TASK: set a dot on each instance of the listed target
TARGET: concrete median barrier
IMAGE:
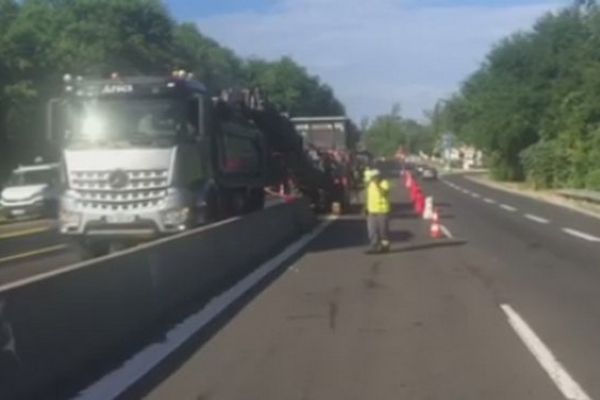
(55, 326)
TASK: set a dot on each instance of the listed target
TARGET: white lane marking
(452, 185)
(559, 375)
(537, 219)
(465, 191)
(508, 208)
(475, 195)
(446, 231)
(581, 235)
(24, 232)
(118, 381)
(33, 253)
(489, 201)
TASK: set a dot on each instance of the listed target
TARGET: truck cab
(149, 156)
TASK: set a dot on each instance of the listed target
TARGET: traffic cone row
(423, 206)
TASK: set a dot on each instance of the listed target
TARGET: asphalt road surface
(507, 309)
(32, 247)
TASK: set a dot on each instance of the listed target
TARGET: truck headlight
(177, 216)
(69, 218)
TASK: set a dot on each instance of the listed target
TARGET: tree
(533, 103)
(41, 40)
(291, 88)
(390, 132)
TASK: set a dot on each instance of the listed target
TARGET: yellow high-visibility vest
(378, 201)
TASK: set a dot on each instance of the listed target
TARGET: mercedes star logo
(118, 179)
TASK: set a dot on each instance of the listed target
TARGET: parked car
(31, 191)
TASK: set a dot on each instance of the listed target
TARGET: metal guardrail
(585, 195)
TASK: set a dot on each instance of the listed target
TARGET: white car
(31, 191)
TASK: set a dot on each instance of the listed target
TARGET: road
(508, 309)
(31, 248)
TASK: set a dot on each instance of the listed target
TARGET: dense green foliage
(390, 132)
(534, 105)
(40, 40)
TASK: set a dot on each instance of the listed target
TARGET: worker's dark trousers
(377, 225)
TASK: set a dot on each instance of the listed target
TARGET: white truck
(143, 157)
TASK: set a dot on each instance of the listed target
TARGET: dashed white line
(581, 235)
(535, 218)
(559, 375)
(475, 195)
(508, 208)
(489, 201)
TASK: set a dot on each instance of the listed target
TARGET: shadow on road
(401, 236)
(351, 232)
(426, 245)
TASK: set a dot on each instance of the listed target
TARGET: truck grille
(143, 189)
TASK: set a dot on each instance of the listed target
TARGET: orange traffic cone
(435, 231)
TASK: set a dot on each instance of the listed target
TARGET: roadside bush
(592, 180)
(539, 161)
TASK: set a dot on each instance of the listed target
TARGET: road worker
(377, 208)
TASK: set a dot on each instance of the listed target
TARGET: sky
(374, 53)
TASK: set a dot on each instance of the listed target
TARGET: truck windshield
(131, 120)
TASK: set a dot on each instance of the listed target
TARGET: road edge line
(118, 381)
(544, 356)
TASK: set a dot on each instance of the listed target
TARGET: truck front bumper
(141, 225)
(22, 209)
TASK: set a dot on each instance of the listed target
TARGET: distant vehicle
(429, 173)
(334, 137)
(31, 191)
